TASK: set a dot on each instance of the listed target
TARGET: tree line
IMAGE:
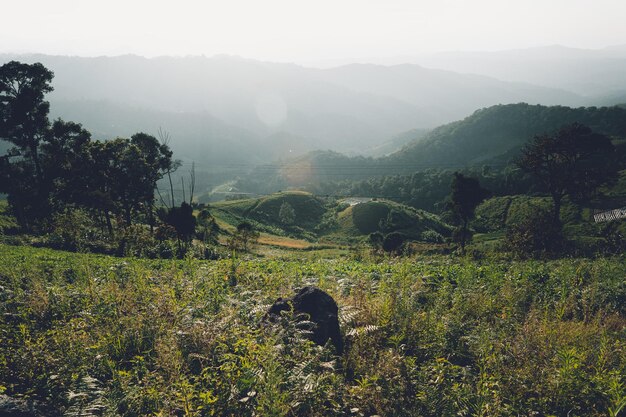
(54, 165)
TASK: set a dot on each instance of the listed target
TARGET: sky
(311, 31)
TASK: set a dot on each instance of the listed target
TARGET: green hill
(386, 216)
(490, 136)
(265, 212)
(496, 134)
(316, 217)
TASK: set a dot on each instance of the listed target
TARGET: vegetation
(466, 195)
(496, 134)
(56, 166)
(418, 174)
(244, 237)
(574, 162)
(440, 337)
(174, 323)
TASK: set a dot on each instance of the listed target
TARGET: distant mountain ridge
(348, 109)
(594, 73)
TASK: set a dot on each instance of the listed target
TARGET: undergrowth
(96, 335)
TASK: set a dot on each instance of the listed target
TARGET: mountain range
(228, 114)
(249, 110)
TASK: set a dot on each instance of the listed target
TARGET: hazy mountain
(268, 108)
(495, 134)
(445, 95)
(491, 136)
(396, 143)
(260, 97)
(195, 135)
(590, 72)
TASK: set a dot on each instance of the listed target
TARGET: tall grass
(96, 335)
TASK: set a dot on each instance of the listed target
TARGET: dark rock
(320, 308)
(13, 407)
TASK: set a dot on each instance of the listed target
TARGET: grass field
(429, 336)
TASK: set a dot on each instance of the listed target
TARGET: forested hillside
(494, 135)
(490, 137)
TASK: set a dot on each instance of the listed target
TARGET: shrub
(73, 230)
(535, 235)
(393, 242)
(432, 236)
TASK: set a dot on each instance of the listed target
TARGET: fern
(362, 330)
(86, 399)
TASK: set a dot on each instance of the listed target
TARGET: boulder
(319, 308)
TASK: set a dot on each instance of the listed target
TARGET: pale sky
(304, 31)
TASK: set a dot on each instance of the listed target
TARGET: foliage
(286, 214)
(393, 242)
(535, 235)
(244, 237)
(56, 166)
(466, 195)
(376, 241)
(182, 220)
(74, 230)
(208, 230)
(496, 134)
(432, 236)
(433, 337)
(574, 162)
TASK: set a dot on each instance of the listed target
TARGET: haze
(322, 32)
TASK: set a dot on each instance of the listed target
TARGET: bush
(535, 235)
(136, 241)
(613, 241)
(74, 230)
(393, 242)
(432, 236)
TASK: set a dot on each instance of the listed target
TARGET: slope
(495, 134)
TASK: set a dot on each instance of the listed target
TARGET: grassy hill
(500, 212)
(308, 208)
(386, 216)
(264, 213)
(316, 217)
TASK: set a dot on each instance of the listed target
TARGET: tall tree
(575, 161)
(24, 123)
(67, 164)
(128, 171)
(467, 194)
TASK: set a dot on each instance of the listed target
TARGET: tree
(209, 229)
(24, 113)
(67, 165)
(466, 195)
(155, 159)
(126, 172)
(575, 161)
(244, 236)
(286, 214)
(393, 242)
(183, 221)
(24, 124)
(535, 234)
(55, 166)
(376, 240)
